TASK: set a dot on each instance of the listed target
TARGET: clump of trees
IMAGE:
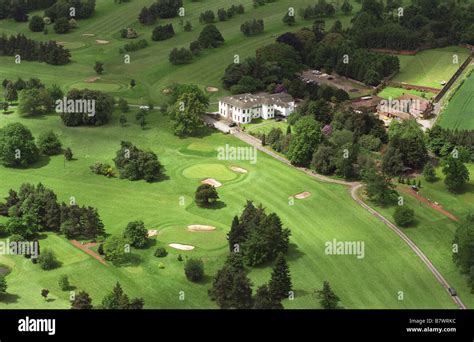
(49, 144)
(104, 106)
(128, 33)
(119, 300)
(45, 52)
(134, 164)
(406, 148)
(179, 56)
(232, 289)
(104, 169)
(194, 269)
(160, 9)
(210, 37)
(207, 17)
(162, 32)
(456, 174)
(252, 27)
(136, 234)
(83, 10)
(35, 209)
(17, 146)
(187, 103)
(259, 236)
(206, 195)
(403, 215)
(134, 46)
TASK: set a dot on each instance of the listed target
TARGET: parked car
(232, 124)
(452, 292)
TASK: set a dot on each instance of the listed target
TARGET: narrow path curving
(354, 188)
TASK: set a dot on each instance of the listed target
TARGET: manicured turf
(389, 265)
(459, 112)
(260, 126)
(433, 232)
(150, 66)
(430, 67)
(392, 92)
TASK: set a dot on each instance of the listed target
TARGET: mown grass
(389, 265)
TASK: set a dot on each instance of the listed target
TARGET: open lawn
(393, 93)
(150, 67)
(433, 232)
(459, 113)
(389, 265)
(260, 126)
(430, 67)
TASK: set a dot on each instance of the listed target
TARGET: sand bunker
(88, 35)
(100, 41)
(152, 232)
(303, 195)
(181, 247)
(166, 91)
(200, 228)
(212, 89)
(212, 181)
(238, 169)
(92, 79)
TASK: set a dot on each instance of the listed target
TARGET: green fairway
(389, 265)
(459, 112)
(392, 92)
(150, 66)
(433, 232)
(431, 67)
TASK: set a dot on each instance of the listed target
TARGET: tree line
(32, 210)
(27, 49)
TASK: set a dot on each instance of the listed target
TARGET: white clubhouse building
(245, 107)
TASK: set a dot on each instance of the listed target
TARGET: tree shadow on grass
(9, 298)
(150, 243)
(129, 260)
(216, 205)
(42, 162)
(294, 253)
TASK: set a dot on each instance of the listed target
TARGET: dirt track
(422, 199)
(85, 248)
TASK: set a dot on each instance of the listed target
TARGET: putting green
(208, 240)
(102, 86)
(217, 171)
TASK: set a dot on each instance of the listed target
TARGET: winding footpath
(354, 188)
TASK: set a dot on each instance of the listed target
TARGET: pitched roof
(250, 100)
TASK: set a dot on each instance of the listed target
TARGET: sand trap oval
(88, 35)
(238, 169)
(72, 45)
(303, 195)
(211, 181)
(200, 228)
(91, 79)
(212, 89)
(181, 247)
(166, 91)
(101, 41)
(152, 232)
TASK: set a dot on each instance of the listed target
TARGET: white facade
(245, 107)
